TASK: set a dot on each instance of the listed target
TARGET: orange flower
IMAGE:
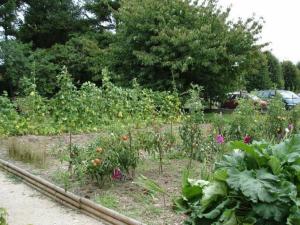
(99, 149)
(125, 137)
(98, 161)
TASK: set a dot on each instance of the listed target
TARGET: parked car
(231, 101)
(289, 98)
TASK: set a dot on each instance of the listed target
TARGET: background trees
(291, 76)
(165, 44)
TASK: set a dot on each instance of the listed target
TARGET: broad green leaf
(275, 165)
(221, 175)
(228, 218)
(252, 151)
(271, 211)
(294, 217)
(289, 150)
(235, 160)
(212, 192)
(213, 214)
(256, 186)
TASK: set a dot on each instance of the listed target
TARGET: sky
(282, 23)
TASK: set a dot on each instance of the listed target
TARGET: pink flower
(220, 139)
(117, 174)
(247, 139)
(291, 127)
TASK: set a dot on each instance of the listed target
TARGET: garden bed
(125, 197)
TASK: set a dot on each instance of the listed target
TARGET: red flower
(247, 139)
(117, 174)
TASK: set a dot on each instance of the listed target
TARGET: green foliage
(3, 216)
(191, 130)
(8, 17)
(277, 119)
(259, 78)
(16, 63)
(291, 76)
(253, 184)
(45, 28)
(99, 160)
(246, 120)
(179, 42)
(275, 70)
(8, 116)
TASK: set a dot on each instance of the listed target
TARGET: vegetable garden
(239, 168)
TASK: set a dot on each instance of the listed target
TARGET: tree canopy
(163, 44)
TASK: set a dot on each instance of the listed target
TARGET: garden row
(84, 109)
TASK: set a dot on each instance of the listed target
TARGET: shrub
(3, 217)
(246, 120)
(102, 157)
(8, 116)
(254, 184)
(277, 119)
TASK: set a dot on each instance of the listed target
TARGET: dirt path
(26, 206)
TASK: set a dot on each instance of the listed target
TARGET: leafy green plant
(3, 216)
(277, 119)
(9, 117)
(191, 130)
(254, 184)
(102, 157)
(246, 120)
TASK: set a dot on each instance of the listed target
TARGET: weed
(27, 152)
(108, 200)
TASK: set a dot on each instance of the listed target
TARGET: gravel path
(26, 206)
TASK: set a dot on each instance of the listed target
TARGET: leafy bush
(3, 217)
(191, 130)
(99, 159)
(246, 120)
(254, 184)
(8, 116)
(277, 119)
(85, 109)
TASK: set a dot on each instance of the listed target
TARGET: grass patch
(108, 200)
(27, 152)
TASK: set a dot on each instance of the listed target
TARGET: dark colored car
(231, 101)
(289, 98)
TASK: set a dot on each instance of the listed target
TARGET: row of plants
(249, 123)
(85, 109)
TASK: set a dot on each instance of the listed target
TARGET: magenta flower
(247, 139)
(117, 174)
(291, 127)
(220, 139)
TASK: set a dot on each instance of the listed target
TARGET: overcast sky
(282, 23)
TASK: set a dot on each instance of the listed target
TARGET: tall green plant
(191, 130)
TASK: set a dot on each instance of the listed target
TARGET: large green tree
(259, 79)
(48, 22)
(8, 17)
(80, 55)
(163, 42)
(290, 74)
(99, 13)
(15, 63)
(275, 70)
